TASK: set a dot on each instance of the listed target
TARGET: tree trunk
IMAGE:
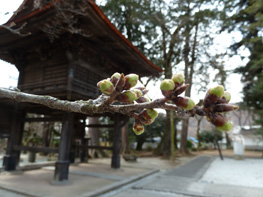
(140, 143)
(198, 131)
(94, 134)
(228, 141)
(164, 146)
(125, 146)
(46, 135)
(176, 120)
(183, 147)
(172, 136)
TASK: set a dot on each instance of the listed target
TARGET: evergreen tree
(248, 19)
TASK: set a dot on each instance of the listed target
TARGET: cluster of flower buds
(120, 86)
(215, 102)
(172, 88)
(146, 117)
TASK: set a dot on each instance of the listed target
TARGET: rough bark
(94, 134)
(90, 107)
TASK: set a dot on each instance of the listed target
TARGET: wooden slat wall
(47, 76)
(85, 81)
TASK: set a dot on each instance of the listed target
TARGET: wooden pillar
(84, 155)
(85, 142)
(62, 165)
(115, 160)
(72, 153)
(12, 157)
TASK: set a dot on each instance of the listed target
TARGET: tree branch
(89, 107)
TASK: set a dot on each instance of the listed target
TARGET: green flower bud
(115, 77)
(213, 96)
(147, 116)
(152, 113)
(218, 91)
(167, 86)
(178, 79)
(184, 102)
(127, 96)
(226, 127)
(137, 92)
(138, 128)
(130, 81)
(220, 122)
(226, 96)
(105, 86)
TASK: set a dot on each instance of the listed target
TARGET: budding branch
(89, 107)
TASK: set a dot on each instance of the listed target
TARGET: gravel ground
(247, 172)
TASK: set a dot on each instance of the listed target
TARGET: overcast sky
(9, 73)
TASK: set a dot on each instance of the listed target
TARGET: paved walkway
(184, 181)
(89, 179)
(148, 177)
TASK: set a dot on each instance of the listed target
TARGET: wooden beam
(100, 126)
(94, 147)
(45, 119)
(35, 149)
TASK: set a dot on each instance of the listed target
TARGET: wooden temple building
(63, 48)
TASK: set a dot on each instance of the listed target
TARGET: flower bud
(224, 108)
(152, 113)
(127, 96)
(213, 95)
(179, 90)
(143, 89)
(137, 92)
(115, 77)
(105, 86)
(148, 114)
(142, 99)
(218, 91)
(138, 127)
(147, 122)
(120, 83)
(178, 79)
(220, 122)
(226, 127)
(130, 81)
(184, 102)
(167, 86)
(225, 98)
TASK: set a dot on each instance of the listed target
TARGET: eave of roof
(97, 10)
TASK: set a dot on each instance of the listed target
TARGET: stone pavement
(184, 181)
(89, 179)
(151, 177)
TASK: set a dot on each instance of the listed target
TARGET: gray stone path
(5, 193)
(193, 169)
(183, 181)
